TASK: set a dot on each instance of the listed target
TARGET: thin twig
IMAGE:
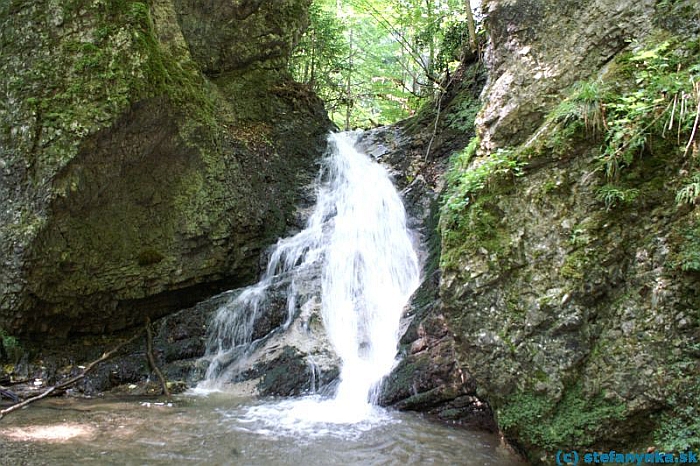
(673, 113)
(71, 381)
(697, 119)
(152, 360)
(435, 126)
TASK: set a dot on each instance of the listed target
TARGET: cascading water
(356, 257)
(357, 241)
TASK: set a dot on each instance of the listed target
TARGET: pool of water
(219, 429)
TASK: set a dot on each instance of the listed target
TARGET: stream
(354, 267)
(218, 429)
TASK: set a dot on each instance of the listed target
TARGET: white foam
(369, 269)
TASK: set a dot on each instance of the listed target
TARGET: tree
(319, 60)
(375, 61)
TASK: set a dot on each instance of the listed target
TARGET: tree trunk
(471, 26)
(348, 88)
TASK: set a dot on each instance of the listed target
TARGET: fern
(612, 196)
(690, 193)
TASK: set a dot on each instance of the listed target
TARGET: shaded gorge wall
(568, 277)
(561, 304)
(149, 151)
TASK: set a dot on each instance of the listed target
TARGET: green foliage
(469, 216)
(575, 421)
(688, 255)
(10, 349)
(460, 160)
(646, 107)
(320, 58)
(656, 106)
(651, 95)
(462, 113)
(579, 237)
(375, 61)
(454, 39)
(612, 195)
(583, 106)
(679, 429)
(466, 180)
(690, 193)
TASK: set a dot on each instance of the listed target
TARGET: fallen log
(8, 394)
(67, 383)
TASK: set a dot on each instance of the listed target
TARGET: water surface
(221, 430)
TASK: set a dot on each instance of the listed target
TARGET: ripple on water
(221, 430)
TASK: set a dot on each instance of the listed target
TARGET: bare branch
(67, 383)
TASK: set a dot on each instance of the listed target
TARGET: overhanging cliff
(149, 151)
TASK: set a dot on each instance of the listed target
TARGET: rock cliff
(570, 228)
(566, 294)
(148, 152)
(558, 205)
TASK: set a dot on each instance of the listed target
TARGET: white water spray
(358, 239)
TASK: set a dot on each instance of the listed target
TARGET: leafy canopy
(375, 61)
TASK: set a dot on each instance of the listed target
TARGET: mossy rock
(134, 183)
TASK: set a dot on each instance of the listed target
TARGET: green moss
(470, 217)
(577, 420)
(149, 257)
(478, 227)
(679, 427)
(576, 264)
(467, 178)
(686, 249)
(89, 80)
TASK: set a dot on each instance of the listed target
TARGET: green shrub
(10, 349)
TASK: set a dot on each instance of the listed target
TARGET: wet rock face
(289, 353)
(279, 361)
(431, 377)
(131, 184)
(538, 48)
(575, 316)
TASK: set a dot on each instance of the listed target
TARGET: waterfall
(357, 249)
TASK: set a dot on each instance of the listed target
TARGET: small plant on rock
(690, 193)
